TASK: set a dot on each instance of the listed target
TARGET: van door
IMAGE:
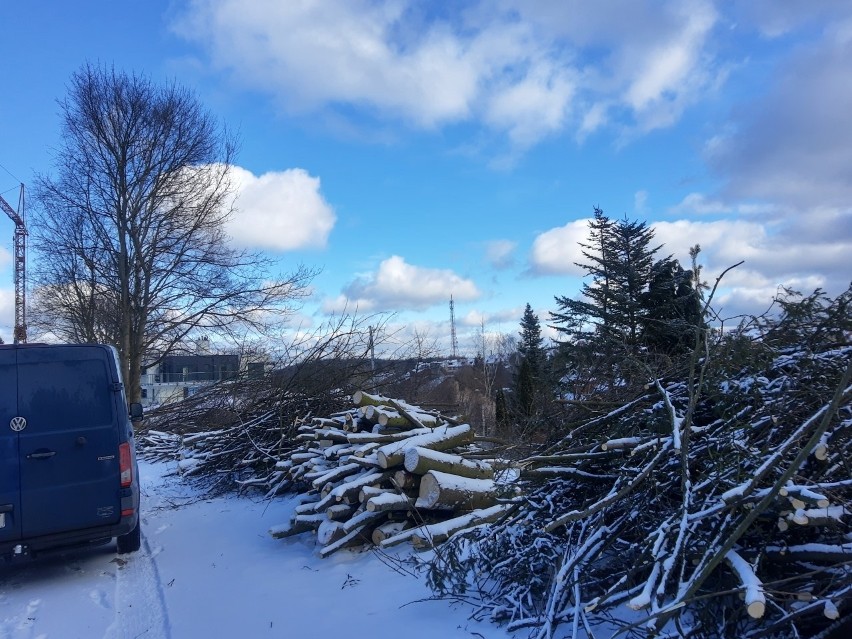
(69, 465)
(10, 479)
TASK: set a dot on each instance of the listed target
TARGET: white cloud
(793, 145)
(774, 19)
(555, 252)
(7, 313)
(664, 68)
(501, 253)
(518, 67)
(397, 285)
(777, 254)
(280, 211)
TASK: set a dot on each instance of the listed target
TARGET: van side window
(61, 395)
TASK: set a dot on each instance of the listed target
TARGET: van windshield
(65, 394)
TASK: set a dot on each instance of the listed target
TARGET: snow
(209, 568)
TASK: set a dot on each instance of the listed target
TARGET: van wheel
(131, 541)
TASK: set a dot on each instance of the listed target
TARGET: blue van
(68, 474)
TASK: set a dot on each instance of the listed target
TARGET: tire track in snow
(140, 604)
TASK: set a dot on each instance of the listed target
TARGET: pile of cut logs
(386, 472)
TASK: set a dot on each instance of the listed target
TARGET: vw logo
(18, 424)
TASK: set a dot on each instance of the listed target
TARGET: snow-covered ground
(208, 568)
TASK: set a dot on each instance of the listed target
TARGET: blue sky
(417, 150)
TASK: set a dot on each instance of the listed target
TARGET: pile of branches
(715, 506)
(232, 434)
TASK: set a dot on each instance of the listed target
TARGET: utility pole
(455, 342)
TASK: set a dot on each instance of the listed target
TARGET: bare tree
(130, 231)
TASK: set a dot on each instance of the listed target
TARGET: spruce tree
(620, 259)
(530, 376)
(634, 315)
(672, 314)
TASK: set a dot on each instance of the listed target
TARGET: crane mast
(20, 266)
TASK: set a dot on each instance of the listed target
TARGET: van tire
(131, 542)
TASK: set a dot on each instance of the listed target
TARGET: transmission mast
(20, 334)
(454, 340)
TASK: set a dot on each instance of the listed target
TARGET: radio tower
(455, 342)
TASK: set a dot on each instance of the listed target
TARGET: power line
(10, 173)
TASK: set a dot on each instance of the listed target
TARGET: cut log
(429, 536)
(333, 436)
(308, 508)
(372, 491)
(323, 422)
(360, 398)
(755, 600)
(443, 490)
(303, 456)
(369, 462)
(335, 474)
(417, 417)
(404, 480)
(363, 518)
(329, 532)
(298, 525)
(819, 516)
(805, 496)
(623, 443)
(357, 537)
(830, 553)
(339, 512)
(348, 492)
(419, 460)
(389, 529)
(389, 501)
(385, 438)
(442, 438)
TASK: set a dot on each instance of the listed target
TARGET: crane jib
(20, 266)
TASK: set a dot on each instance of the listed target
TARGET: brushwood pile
(714, 509)
(711, 503)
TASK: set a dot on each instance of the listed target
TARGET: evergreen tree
(672, 309)
(620, 259)
(501, 411)
(530, 377)
(635, 313)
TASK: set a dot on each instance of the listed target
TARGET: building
(176, 377)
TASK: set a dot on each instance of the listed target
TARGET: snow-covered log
(815, 552)
(299, 525)
(389, 501)
(431, 535)
(419, 460)
(755, 600)
(442, 438)
(387, 530)
(444, 490)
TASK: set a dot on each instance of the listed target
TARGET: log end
(756, 609)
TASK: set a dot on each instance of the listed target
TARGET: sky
(414, 151)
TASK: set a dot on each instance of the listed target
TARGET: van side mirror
(136, 412)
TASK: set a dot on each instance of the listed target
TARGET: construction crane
(20, 334)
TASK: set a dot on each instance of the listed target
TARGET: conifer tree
(620, 258)
(530, 377)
